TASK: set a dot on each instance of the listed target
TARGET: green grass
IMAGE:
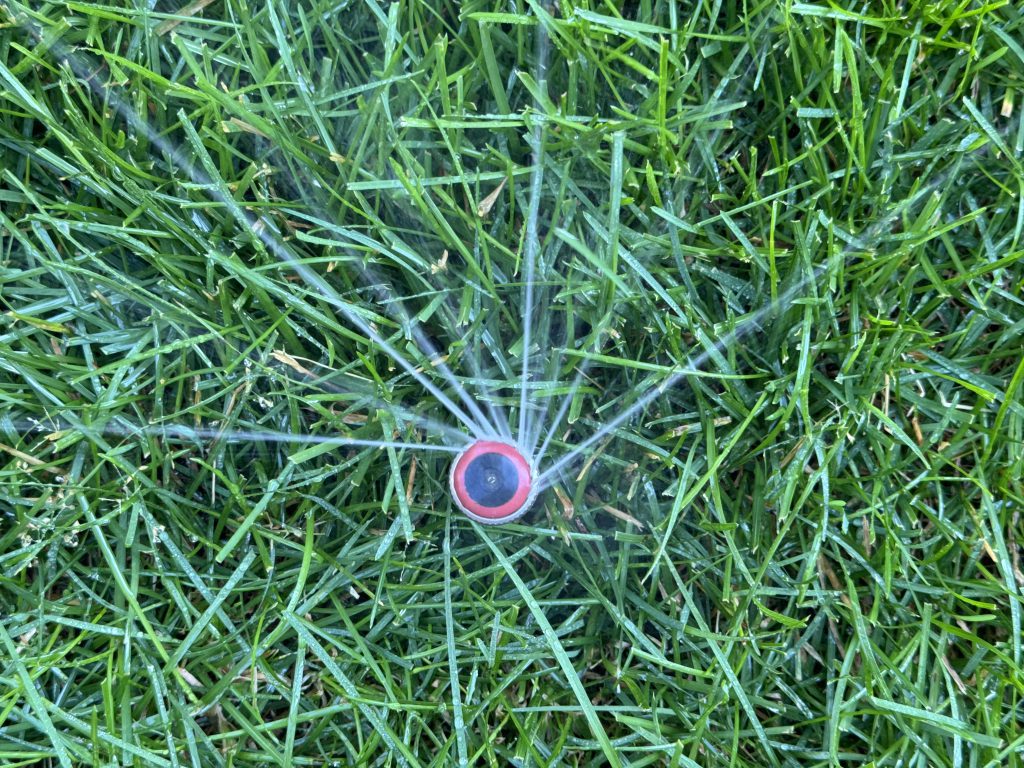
(807, 555)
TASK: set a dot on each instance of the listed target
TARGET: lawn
(749, 275)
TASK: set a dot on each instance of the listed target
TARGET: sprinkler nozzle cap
(492, 482)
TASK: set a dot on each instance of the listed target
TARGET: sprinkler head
(492, 482)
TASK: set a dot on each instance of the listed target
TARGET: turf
(807, 553)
